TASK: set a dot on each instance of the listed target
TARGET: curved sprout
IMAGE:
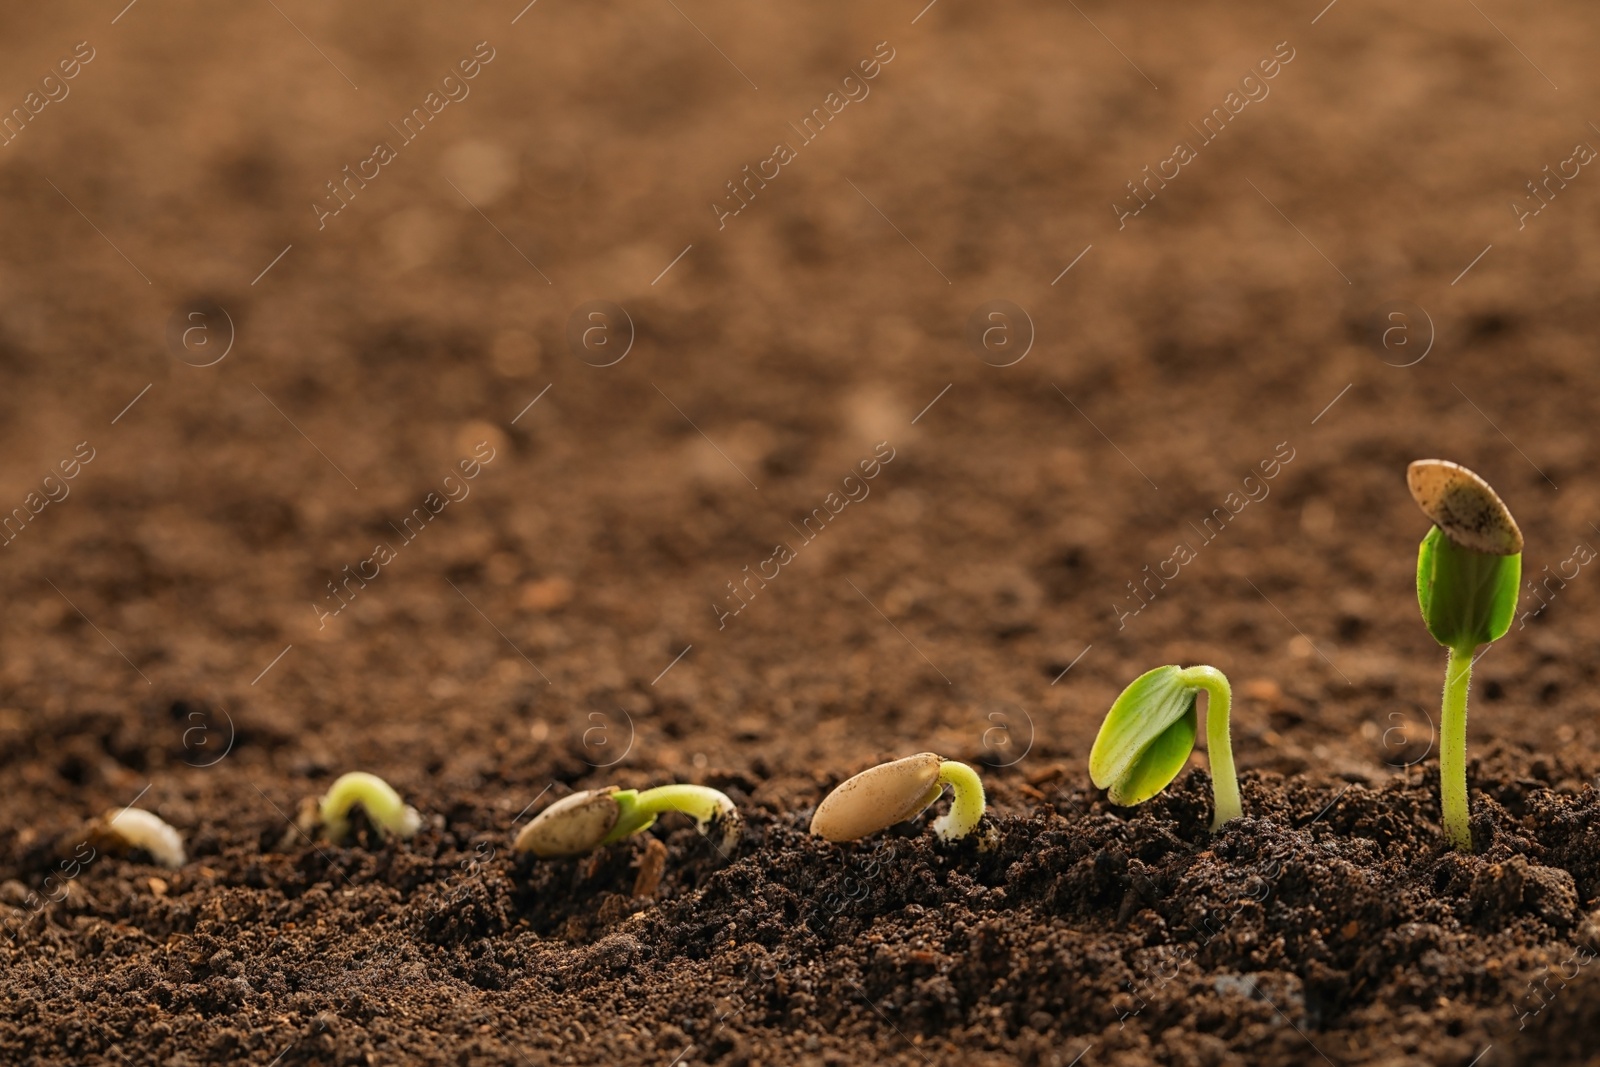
(967, 801)
(383, 806)
(125, 829)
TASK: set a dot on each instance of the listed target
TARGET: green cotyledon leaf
(1146, 738)
(1468, 598)
(1159, 765)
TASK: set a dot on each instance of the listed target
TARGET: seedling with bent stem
(387, 813)
(1469, 569)
(594, 818)
(1150, 730)
(893, 792)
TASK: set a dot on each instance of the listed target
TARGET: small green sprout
(387, 813)
(1150, 731)
(1469, 570)
(125, 829)
(593, 818)
(891, 793)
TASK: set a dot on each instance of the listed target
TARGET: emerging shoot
(125, 829)
(387, 813)
(594, 818)
(891, 793)
(1150, 731)
(1469, 568)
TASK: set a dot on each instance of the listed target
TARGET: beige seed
(1464, 506)
(878, 798)
(572, 825)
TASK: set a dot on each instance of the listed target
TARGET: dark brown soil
(567, 618)
(1327, 916)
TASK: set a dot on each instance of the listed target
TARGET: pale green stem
(384, 808)
(966, 801)
(1453, 750)
(1219, 746)
(699, 802)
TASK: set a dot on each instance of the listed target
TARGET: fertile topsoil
(779, 513)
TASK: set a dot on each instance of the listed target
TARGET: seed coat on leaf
(1464, 506)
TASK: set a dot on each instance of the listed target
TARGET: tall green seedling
(1469, 568)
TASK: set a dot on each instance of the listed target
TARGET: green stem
(699, 802)
(966, 801)
(384, 808)
(1219, 746)
(1453, 749)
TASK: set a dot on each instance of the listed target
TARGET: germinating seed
(893, 792)
(878, 798)
(125, 829)
(585, 821)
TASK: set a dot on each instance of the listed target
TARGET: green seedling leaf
(1161, 762)
(1468, 598)
(1146, 737)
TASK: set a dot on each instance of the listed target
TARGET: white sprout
(130, 828)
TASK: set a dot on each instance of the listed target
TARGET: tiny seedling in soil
(385, 811)
(891, 793)
(1150, 731)
(593, 818)
(123, 830)
(1469, 569)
